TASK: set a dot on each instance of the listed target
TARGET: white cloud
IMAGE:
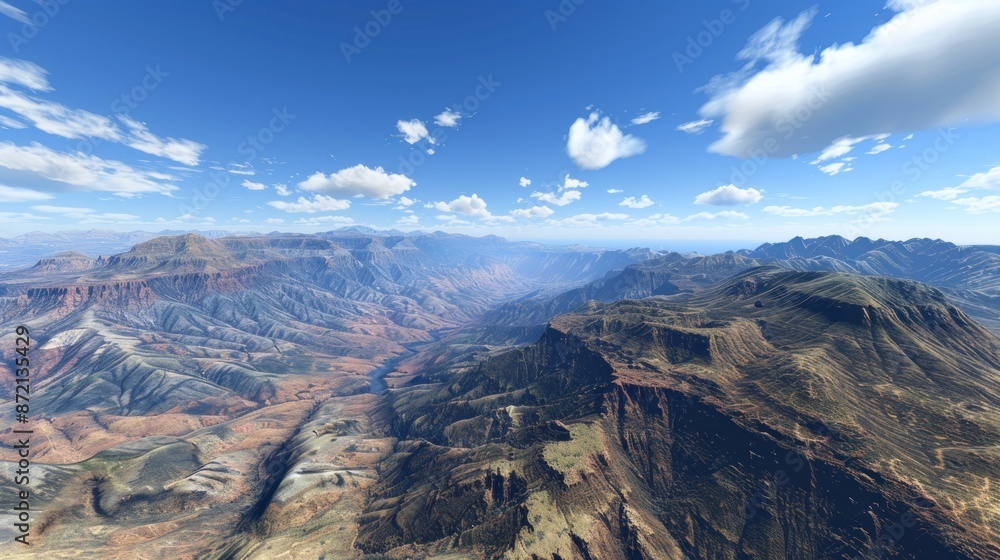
(187, 220)
(989, 180)
(468, 205)
(10, 123)
(281, 189)
(319, 203)
(588, 220)
(923, 69)
(245, 168)
(568, 188)
(839, 148)
(274, 221)
(646, 117)
(13, 13)
(878, 149)
(632, 202)
(447, 118)
(524, 182)
(89, 173)
(23, 73)
(656, 220)
(410, 220)
(180, 150)
(729, 195)
(253, 186)
(405, 202)
(60, 120)
(725, 214)
(594, 143)
(414, 131)
(16, 194)
(615, 191)
(567, 197)
(874, 210)
(359, 181)
(533, 212)
(835, 169)
(62, 209)
(979, 205)
(325, 220)
(571, 183)
(695, 127)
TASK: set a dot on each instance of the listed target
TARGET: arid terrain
(358, 394)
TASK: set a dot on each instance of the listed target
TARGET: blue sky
(731, 121)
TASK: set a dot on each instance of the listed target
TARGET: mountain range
(362, 394)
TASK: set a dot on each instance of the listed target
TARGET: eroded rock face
(709, 428)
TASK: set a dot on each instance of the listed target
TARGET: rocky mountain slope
(210, 398)
(777, 415)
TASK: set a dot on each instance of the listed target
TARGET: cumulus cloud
(567, 193)
(410, 220)
(594, 143)
(695, 127)
(729, 195)
(253, 186)
(874, 210)
(468, 205)
(922, 69)
(533, 212)
(83, 172)
(404, 203)
(633, 202)
(447, 118)
(562, 199)
(646, 117)
(414, 131)
(725, 215)
(524, 182)
(319, 203)
(359, 181)
(281, 189)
